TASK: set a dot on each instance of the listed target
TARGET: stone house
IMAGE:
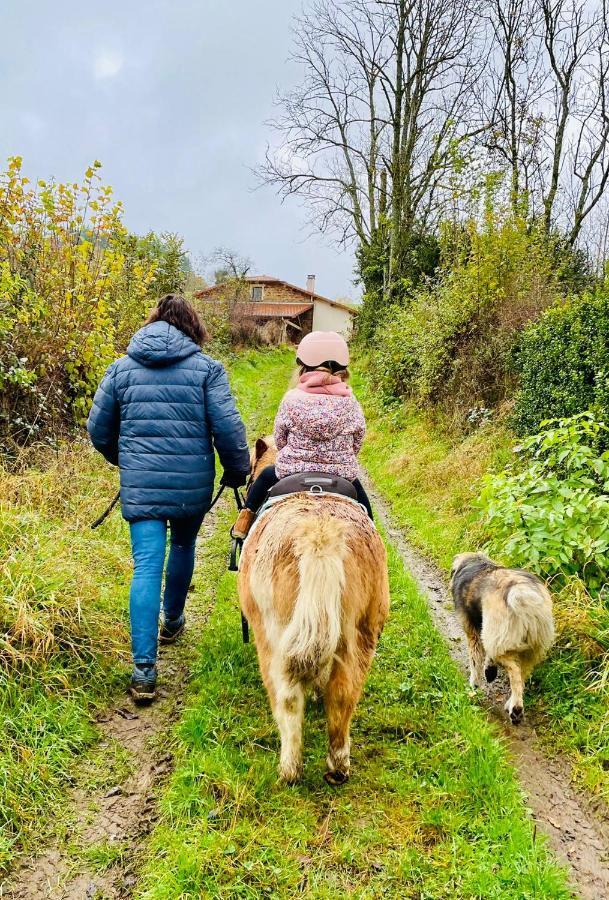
(261, 299)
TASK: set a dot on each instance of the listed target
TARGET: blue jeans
(148, 545)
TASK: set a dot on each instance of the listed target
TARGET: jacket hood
(160, 344)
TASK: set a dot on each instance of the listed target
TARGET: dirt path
(577, 829)
(99, 855)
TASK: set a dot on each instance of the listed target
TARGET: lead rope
(236, 544)
(233, 564)
(106, 513)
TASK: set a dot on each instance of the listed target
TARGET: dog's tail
(531, 621)
(312, 636)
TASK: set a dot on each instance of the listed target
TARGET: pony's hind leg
(340, 699)
(288, 702)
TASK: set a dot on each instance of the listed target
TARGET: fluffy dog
(507, 617)
(313, 585)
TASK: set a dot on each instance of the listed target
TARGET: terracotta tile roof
(272, 310)
(263, 279)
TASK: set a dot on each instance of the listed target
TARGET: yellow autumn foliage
(74, 284)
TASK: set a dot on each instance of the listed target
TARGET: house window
(257, 293)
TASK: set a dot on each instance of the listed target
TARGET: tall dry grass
(63, 626)
(57, 577)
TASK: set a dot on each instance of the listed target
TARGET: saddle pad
(313, 483)
(269, 505)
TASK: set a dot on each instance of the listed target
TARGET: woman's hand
(233, 478)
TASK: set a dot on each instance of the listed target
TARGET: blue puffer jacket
(155, 414)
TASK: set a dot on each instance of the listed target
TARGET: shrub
(419, 257)
(453, 342)
(550, 510)
(74, 285)
(563, 362)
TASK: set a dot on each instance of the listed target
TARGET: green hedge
(563, 362)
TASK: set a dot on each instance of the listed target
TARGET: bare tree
(396, 93)
(383, 99)
(330, 132)
(514, 85)
(429, 88)
(228, 264)
(546, 95)
(585, 150)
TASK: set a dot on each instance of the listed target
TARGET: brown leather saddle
(313, 483)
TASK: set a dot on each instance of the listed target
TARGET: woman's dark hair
(177, 311)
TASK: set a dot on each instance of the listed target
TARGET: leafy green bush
(563, 362)
(550, 510)
(453, 341)
(420, 258)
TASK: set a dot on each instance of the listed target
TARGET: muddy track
(577, 828)
(122, 816)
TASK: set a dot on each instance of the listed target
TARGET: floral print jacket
(319, 433)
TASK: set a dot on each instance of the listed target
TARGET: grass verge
(63, 631)
(432, 810)
(431, 482)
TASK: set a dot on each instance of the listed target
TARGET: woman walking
(157, 414)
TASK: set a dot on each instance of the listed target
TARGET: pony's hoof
(290, 775)
(490, 673)
(336, 778)
(517, 715)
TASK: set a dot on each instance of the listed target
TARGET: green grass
(432, 810)
(259, 379)
(101, 857)
(63, 632)
(431, 480)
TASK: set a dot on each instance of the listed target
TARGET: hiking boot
(171, 630)
(142, 686)
(245, 520)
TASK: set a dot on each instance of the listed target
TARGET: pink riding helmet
(323, 346)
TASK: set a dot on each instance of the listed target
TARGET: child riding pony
(319, 427)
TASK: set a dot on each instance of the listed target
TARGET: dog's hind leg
(476, 655)
(515, 702)
(490, 669)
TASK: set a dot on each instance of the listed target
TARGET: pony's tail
(312, 636)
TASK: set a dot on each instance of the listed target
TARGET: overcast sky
(172, 96)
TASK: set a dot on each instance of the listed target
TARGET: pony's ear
(260, 448)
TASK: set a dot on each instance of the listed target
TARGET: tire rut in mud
(124, 815)
(576, 826)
